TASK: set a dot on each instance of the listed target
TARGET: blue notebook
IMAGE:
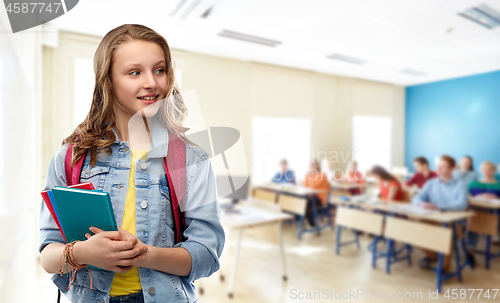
(79, 209)
(51, 197)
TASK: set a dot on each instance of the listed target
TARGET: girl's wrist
(149, 256)
(79, 252)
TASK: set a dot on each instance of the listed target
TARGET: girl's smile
(149, 99)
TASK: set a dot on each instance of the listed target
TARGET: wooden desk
(485, 203)
(302, 192)
(487, 222)
(250, 213)
(446, 218)
(289, 189)
(388, 207)
(345, 186)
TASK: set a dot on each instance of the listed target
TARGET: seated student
(390, 187)
(443, 193)
(423, 173)
(488, 188)
(285, 175)
(353, 176)
(317, 180)
(497, 174)
(465, 170)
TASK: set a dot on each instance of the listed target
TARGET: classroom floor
(314, 267)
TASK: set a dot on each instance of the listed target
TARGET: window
(278, 138)
(372, 141)
(83, 89)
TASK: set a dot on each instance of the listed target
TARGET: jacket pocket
(96, 175)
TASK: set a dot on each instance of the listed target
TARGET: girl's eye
(133, 72)
(161, 70)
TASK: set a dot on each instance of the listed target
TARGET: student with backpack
(132, 144)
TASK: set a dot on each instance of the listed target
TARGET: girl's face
(139, 78)
(465, 163)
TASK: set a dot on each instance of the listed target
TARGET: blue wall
(456, 117)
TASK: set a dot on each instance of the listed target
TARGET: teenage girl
(123, 140)
(390, 187)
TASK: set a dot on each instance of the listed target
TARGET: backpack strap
(72, 178)
(72, 172)
(176, 178)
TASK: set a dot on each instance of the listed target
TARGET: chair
(294, 205)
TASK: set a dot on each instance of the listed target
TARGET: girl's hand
(109, 250)
(486, 196)
(127, 236)
(143, 247)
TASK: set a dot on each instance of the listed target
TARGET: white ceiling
(423, 35)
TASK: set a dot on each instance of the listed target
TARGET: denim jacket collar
(159, 147)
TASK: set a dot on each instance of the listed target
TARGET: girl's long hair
(471, 168)
(383, 173)
(95, 132)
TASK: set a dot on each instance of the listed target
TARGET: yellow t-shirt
(129, 282)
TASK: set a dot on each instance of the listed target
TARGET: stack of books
(77, 207)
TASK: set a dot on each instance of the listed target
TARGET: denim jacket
(204, 236)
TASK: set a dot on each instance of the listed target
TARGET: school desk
(405, 230)
(289, 189)
(296, 191)
(345, 186)
(486, 222)
(253, 213)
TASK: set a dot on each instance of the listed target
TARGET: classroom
(349, 148)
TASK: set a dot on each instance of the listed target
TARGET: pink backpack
(176, 157)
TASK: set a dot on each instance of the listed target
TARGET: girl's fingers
(112, 235)
(126, 245)
(87, 235)
(95, 230)
(131, 253)
(130, 261)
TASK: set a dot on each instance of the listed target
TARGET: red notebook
(46, 199)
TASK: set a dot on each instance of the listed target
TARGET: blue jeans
(131, 298)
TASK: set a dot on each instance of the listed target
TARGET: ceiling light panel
(248, 38)
(347, 59)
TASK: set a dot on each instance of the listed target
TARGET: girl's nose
(149, 81)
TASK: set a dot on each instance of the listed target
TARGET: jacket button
(144, 165)
(151, 290)
(87, 170)
(144, 204)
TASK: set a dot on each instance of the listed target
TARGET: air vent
(412, 72)
(348, 59)
(483, 15)
(249, 38)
